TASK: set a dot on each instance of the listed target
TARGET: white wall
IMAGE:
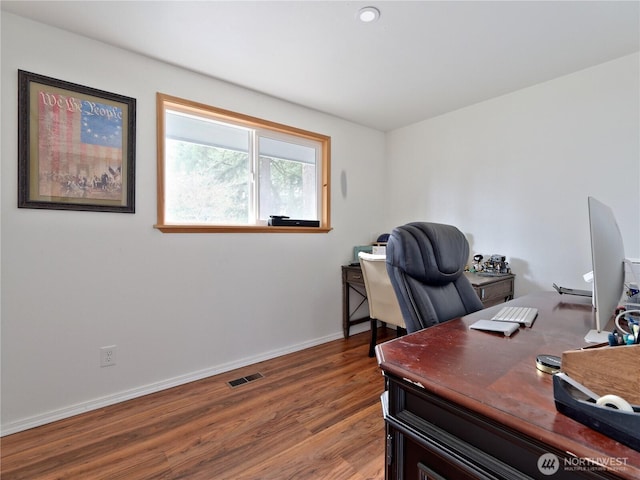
(514, 172)
(178, 306)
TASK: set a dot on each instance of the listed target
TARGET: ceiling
(419, 60)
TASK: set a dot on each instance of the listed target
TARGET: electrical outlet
(108, 356)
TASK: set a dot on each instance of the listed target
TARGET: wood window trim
(238, 229)
(164, 101)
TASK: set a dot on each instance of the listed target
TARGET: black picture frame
(76, 146)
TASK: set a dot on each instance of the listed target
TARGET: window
(220, 171)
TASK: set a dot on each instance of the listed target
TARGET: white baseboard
(83, 407)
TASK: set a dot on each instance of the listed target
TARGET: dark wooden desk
(352, 281)
(470, 404)
(492, 290)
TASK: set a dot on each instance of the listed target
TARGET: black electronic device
(284, 221)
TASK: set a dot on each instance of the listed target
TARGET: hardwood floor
(315, 415)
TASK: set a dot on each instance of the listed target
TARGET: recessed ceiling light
(368, 14)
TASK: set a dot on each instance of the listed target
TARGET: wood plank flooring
(315, 415)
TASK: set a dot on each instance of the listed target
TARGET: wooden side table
(492, 290)
(352, 280)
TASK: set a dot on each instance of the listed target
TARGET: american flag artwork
(80, 147)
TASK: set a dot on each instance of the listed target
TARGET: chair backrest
(383, 303)
(425, 262)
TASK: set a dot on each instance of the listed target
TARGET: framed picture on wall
(76, 146)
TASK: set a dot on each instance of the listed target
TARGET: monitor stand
(594, 336)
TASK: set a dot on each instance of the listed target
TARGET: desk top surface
(496, 376)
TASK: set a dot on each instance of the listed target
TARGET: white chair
(383, 303)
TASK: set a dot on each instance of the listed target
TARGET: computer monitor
(607, 256)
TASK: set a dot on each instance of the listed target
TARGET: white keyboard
(523, 315)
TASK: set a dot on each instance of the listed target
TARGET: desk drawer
(496, 291)
(459, 443)
(355, 276)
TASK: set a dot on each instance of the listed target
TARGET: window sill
(238, 229)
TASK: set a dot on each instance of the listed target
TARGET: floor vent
(241, 381)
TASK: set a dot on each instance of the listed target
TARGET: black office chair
(426, 262)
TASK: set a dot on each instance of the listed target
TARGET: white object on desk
(522, 315)
(507, 328)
